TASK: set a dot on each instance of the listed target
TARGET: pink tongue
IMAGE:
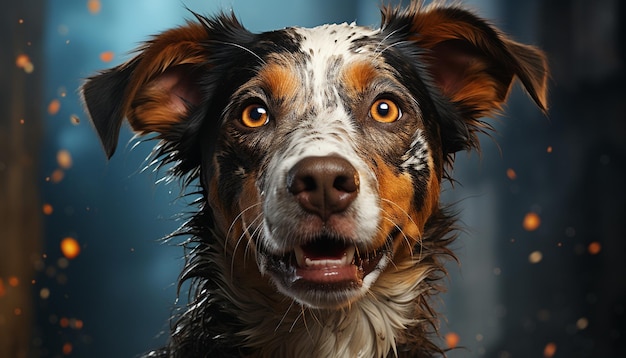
(329, 274)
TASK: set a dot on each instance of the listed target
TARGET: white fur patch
(416, 158)
(330, 131)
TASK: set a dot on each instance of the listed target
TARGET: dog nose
(323, 185)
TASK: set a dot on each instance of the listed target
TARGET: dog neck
(254, 315)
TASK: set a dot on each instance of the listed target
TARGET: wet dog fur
(318, 155)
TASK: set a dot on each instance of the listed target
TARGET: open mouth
(327, 264)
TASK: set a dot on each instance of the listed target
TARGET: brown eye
(385, 111)
(254, 116)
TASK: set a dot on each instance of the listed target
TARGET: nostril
(298, 182)
(323, 185)
(349, 184)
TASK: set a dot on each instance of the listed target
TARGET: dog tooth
(323, 262)
(348, 256)
(300, 259)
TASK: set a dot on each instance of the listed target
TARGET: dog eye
(385, 111)
(255, 116)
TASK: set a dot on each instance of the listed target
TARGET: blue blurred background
(557, 289)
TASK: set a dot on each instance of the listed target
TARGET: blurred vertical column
(569, 301)
(20, 132)
(586, 43)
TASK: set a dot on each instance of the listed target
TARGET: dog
(319, 155)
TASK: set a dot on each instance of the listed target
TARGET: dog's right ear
(154, 91)
(471, 64)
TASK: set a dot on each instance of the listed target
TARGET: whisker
(387, 244)
(388, 217)
(284, 316)
(315, 318)
(306, 326)
(243, 233)
(293, 324)
(405, 237)
(383, 40)
(402, 210)
(407, 240)
(243, 48)
(301, 314)
(255, 234)
(380, 53)
(239, 216)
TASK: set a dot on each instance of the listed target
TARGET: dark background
(515, 293)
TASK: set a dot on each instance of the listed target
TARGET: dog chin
(331, 278)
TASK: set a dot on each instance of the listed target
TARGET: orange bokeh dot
(22, 61)
(56, 176)
(70, 247)
(47, 209)
(535, 257)
(549, 350)
(594, 248)
(107, 56)
(67, 348)
(3, 290)
(531, 222)
(64, 159)
(94, 6)
(13, 281)
(510, 173)
(452, 339)
(54, 106)
(78, 324)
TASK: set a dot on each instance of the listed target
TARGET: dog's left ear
(473, 65)
(155, 90)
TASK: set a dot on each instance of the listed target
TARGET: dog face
(320, 152)
(335, 148)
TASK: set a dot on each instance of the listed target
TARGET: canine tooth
(348, 257)
(300, 259)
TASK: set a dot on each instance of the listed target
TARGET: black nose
(323, 185)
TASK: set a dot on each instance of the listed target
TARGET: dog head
(320, 151)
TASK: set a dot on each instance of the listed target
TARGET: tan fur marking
(399, 208)
(282, 82)
(396, 192)
(358, 76)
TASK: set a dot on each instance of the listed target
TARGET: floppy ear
(474, 66)
(155, 90)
